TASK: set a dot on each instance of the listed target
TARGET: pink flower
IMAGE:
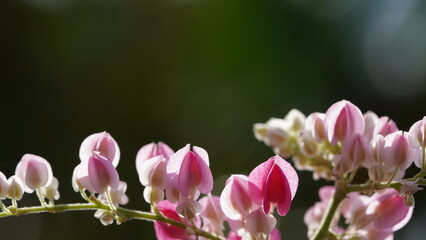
(239, 197)
(95, 175)
(355, 152)
(4, 186)
(34, 171)
(166, 231)
(342, 120)
(418, 134)
(388, 210)
(398, 153)
(315, 126)
(385, 126)
(102, 143)
(259, 223)
(151, 162)
(277, 181)
(212, 214)
(191, 171)
(16, 188)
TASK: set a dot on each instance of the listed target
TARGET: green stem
(128, 213)
(323, 231)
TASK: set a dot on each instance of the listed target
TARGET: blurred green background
(194, 71)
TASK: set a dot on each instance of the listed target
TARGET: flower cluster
(366, 217)
(33, 173)
(334, 145)
(177, 185)
(246, 203)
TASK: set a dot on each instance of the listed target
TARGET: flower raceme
(334, 145)
(178, 185)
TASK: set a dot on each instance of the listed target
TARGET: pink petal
(165, 150)
(275, 235)
(258, 222)
(277, 191)
(103, 143)
(202, 154)
(34, 171)
(342, 120)
(175, 161)
(153, 172)
(165, 231)
(3, 186)
(146, 152)
(102, 174)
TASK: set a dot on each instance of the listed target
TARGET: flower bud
(385, 126)
(295, 120)
(239, 197)
(188, 209)
(192, 171)
(167, 231)
(316, 127)
(212, 214)
(258, 222)
(51, 191)
(342, 120)
(277, 180)
(418, 134)
(274, 132)
(102, 174)
(102, 143)
(398, 153)
(4, 186)
(16, 188)
(34, 171)
(356, 151)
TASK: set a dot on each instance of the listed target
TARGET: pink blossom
(3, 186)
(342, 120)
(274, 132)
(166, 231)
(259, 223)
(397, 151)
(316, 127)
(212, 214)
(95, 175)
(388, 210)
(418, 134)
(385, 126)
(34, 171)
(151, 162)
(16, 188)
(191, 171)
(355, 152)
(239, 197)
(104, 144)
(277, 180)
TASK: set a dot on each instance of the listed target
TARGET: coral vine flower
(277, 181)
(151, 162)
(34, 171)
(3, 186)
(166, 231)
(191, 171)
(95, 175)
(342, 120)
(102, 143)
(388, 210)
(398, 153)
(102, 173)
(239, 197)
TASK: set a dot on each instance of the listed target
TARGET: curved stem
(128, 213)
(323, 231)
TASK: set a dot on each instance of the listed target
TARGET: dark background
(194, 71)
